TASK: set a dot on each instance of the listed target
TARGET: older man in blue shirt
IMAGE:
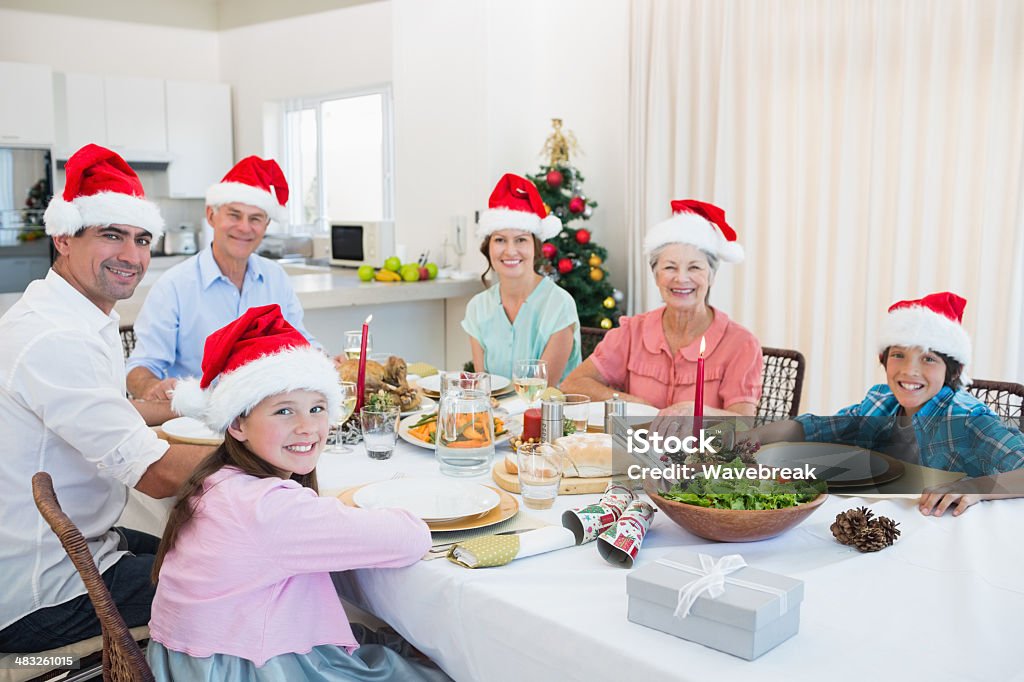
(217, 285)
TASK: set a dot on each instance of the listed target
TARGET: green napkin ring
(486, 551)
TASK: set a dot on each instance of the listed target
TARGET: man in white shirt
(199, 296)
(63, 410)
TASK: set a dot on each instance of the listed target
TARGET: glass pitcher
(465, 431)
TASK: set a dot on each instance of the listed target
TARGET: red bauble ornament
(583, 236)
(549, 250)
(576, 205)
(565, 266)
(554, 179)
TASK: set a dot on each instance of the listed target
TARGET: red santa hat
(933, 323)
(699, 224)
(100, 189)
(256, 182)
(515, 204)
(256, 356)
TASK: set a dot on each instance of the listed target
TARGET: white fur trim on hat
(690, 228)
(495, 219)
(919, 327)
(100, 210)
(237, 392)
(239, 192)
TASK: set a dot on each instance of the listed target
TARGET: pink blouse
(635, 358)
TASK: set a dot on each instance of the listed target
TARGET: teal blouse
(548, 309)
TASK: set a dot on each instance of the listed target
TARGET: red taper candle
(698, 393)
(361, 378)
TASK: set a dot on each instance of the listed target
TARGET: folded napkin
(421, 369)
(498, 550)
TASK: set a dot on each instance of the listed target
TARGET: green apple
(393, 264)
(366, 272)
(432, 270)
(410, 272)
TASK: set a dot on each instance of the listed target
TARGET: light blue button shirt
(194, 299)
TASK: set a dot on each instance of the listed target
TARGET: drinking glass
(348, 404)
(577, 408)
(530, 378)
(353, 342)
(380, 430)
(540, 472)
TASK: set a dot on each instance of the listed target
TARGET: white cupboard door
(26, 104)
(136, 114)
(81, 112)
(198, 136)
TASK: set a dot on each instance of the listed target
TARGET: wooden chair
(589, 338)
(1004, 397)
(782, 383)
(123, 660)
(127, 340)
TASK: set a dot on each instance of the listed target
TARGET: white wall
(108, 47)
(311, 55)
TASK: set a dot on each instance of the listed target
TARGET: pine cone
(888, 526)
(850, 523)
(871, 539)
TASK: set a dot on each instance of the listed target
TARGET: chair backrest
(589, 338)
(782, 382)
(1004, 397)
(123, 660)
(127, 340)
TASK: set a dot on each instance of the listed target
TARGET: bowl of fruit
(394, 270)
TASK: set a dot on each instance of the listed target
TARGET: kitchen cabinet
(136, 116)
(26, 106)
(124, 113)
(198, 136)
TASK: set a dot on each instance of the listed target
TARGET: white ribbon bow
(712, 580)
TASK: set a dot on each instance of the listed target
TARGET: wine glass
(353, 342)
(348, 405)
(530, 378)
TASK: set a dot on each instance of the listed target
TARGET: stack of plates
(189, 430)
(432, 385)
(444, 504)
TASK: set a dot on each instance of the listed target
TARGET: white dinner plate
(513, 427)
(433, 383)
(187, 429)
(425, 405)
(428, 498)
(632, 410)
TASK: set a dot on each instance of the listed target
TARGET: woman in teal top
(524, 316)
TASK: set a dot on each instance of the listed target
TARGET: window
(338, 158)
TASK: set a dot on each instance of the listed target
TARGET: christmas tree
(572, 258)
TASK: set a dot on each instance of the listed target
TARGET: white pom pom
(62, 218)
(189, 400)
(549, 227)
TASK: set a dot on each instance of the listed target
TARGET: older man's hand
(161, 390)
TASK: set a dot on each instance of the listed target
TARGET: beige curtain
(866, 151)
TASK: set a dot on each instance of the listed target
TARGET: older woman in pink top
(652, 357)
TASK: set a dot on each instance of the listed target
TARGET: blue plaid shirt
(955, 431)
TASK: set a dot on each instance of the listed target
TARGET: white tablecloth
(945, 603)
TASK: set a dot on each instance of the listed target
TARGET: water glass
(465, 432)
(576, 408)
(353, 342)
(380, 430)
(540, 473)
(530, 378)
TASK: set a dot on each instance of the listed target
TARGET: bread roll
(588, 455)
(510, 463)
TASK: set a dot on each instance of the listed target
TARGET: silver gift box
(742, 621)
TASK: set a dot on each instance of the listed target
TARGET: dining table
(945, 602)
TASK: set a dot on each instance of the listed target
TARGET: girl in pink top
(652, 357)
(244, 590)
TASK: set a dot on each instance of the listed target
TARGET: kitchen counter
(411, 319)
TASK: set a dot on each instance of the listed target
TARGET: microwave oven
(358, 243)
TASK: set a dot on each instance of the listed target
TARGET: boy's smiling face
(914, 375)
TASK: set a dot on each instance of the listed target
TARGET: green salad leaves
(743, 493)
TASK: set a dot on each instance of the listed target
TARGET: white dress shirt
(62, 410)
